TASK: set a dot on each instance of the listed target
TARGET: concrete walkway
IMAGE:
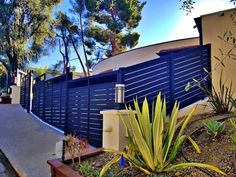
(26, 141)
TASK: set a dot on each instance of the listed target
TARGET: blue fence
(169, 74)
(74, 105)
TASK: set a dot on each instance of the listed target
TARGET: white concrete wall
(140, 55)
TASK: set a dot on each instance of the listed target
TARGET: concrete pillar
(114, 132)
(15, 94)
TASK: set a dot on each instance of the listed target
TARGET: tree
(40, 70)
(188, 5)
(106, 26)
(3, 77)
(68, 33)
(24, 29)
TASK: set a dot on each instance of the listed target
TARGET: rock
(58, 149)
(177, 173)
(2, 168)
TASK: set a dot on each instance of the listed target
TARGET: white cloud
(184, 27)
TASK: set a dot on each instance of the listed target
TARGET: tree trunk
(115, 46)
(78, 55)
(82, 37)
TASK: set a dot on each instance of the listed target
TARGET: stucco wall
(213, 26)
(140, 55)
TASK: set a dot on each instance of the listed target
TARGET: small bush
(214, 127)
(85, 169)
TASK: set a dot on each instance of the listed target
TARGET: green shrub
(85, 169)
(233, 140)
(4, 91)
(214, 127)
(153, 147)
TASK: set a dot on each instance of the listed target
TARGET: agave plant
(153, 146)
(214, 127)
(233, 141)
(233, 123)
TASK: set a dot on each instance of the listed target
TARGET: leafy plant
(233, 102)
(214, 127)
(4, 91)
(219, 99)
(85, 169)
(233, 141)
(153, 146)
(74, 147)
(233, 123)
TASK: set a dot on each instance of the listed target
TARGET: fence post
(67, 95)
(172, 100)
(88, 115)
(29, 91)
(44, 85)
(120, 80)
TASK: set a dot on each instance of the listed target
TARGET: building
(142, 54)
(214, 29)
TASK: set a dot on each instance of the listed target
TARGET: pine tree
(107, 25)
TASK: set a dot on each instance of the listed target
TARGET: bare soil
(216, 151)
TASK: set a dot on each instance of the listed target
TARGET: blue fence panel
(38, 99)
(169, 75)
(86, 98)
(146, 80)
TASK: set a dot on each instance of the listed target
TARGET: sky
(162, 20)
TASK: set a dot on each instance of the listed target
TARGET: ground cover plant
(213, 127)
(153, 146)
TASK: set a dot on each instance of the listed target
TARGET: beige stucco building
(140, 55)
(211, 27)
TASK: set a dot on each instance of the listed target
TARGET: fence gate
(25, 91)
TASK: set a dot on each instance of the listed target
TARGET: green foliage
(233, 136)
(41, 70)
(109, 24)
(214, 127)
(219, 100)
(233, 141)
(25, 26)
(153, 147)
(86, 169)
(4, 91)
(187, 5)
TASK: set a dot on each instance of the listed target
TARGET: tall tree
(106, 26)
(69, 36)
(25, 26)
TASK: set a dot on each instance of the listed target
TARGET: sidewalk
(26, 142)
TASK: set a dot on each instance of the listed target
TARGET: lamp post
(120, 93)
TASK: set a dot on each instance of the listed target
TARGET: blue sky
(162, 20)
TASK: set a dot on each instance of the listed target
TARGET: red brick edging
(59, 169)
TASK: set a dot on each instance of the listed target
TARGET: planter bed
(62, 169)
(216, 151)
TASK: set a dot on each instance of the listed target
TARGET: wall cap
(114, 111)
